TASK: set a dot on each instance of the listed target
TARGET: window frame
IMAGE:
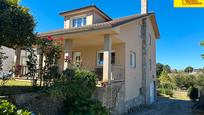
(132, 61)
(102, 51)
(83, 17)
(150, 65)
(150, 39)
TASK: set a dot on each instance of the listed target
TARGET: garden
(169, 81)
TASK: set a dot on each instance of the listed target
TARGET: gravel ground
(166, 106)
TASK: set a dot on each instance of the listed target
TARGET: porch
(103, 54)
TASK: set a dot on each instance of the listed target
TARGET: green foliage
(159, 68)
(179, 81)
(32, 65)
(193, 93)
(188, 69)
(51, 51)
(167, 68)
(75, 82)
(16, 25)
(7, 108)
(202, 44)
(165, 81)
(51, 75)
(200, 81)
(183, 81)
(76, 88)
(165, 91)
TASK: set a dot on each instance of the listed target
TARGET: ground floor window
(132, 59)
(77, 58)
(100, 57)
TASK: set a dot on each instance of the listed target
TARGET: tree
(200, 81)
(167, 68)
(165, 81)
(188, 69)
(193, 93)
(159, 68)
(16, 25)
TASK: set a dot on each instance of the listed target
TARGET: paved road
(166, 106)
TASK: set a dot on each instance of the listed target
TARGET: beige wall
(133, 81)
(151, 74)
(97, 18)
(89, 55)
(130, 33)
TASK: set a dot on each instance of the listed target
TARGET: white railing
(118, 73)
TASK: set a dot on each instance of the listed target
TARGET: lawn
(13, 87)
(17, 83)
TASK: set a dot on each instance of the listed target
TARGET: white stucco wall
(9, 62)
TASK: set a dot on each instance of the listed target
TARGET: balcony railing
(117, 74)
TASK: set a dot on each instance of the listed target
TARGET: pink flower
(68, 59)
(18, 67)
(49, 38)
(61, 38)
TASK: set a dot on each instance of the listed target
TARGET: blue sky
(181, 29)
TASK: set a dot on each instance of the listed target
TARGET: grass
(181, 95)
(13, 87)
(17, 83)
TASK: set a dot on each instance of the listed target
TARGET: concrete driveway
(166, 106)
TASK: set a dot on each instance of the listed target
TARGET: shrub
(193, 93)
(76, 88)
(169, 92)
(7, 108)
(200, 81)
(165, 91)
(184, 81)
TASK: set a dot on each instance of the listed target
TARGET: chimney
(144, 6)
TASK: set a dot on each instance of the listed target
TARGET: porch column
(107, 58)
(67, 52)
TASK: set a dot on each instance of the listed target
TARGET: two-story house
(122, 51)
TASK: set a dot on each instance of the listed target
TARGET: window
(150, 39)
(150, 64)
(77, 59)
(140, 30)
(78, 22)
(141, 91)
(132, 59)
(100, 58)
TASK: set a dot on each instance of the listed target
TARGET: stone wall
(40, 103)
(112, 97)
(134, 103)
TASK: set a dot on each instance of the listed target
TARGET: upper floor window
(78, 22)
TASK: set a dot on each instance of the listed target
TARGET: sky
(181, 29)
